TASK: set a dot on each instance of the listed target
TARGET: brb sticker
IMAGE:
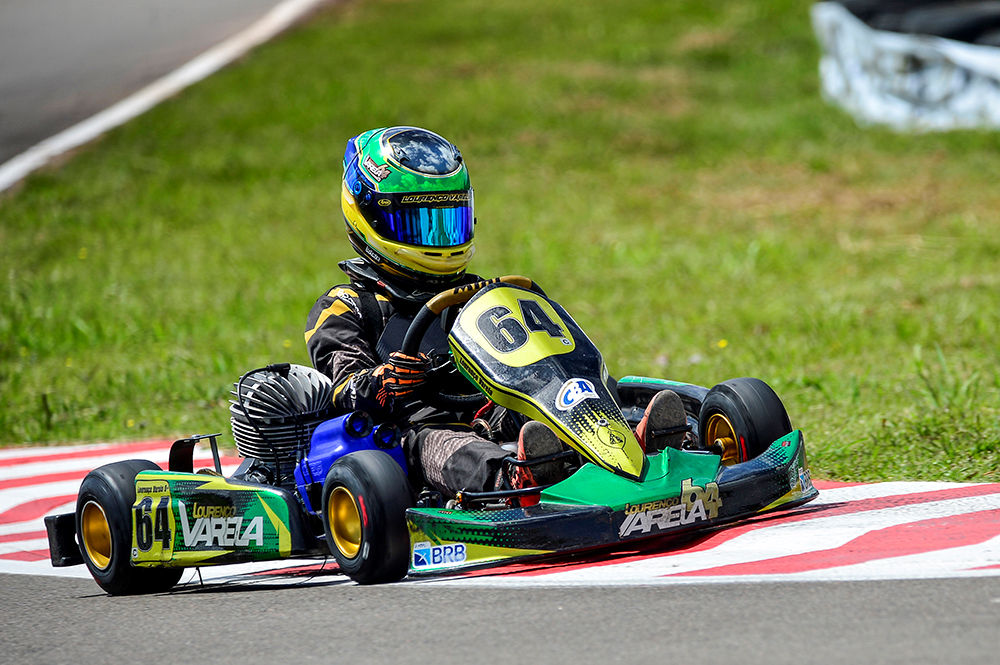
(573, 392)
(425, 554)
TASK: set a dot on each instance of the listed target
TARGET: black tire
(365, 496)
(744, 417)
(104, 530)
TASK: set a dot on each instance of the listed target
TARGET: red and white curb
(35, 482)
(881, 531)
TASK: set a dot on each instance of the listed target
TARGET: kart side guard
(450, 539)
(189, 519)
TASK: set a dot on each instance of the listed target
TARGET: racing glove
(401, 376)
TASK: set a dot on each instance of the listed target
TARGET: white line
(967, 560)
(947, 562)
(45, 568)
(159, 456)
(12, 498)
(205, 64)
(24, 545)
(880, 491)
(42, 468)
(775, 540)
(56, 449)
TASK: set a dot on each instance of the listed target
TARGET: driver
(408, 204)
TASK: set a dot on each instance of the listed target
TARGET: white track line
(202, 455)
(205, 64)
(880, 491)
(37, 524)
(56, 449)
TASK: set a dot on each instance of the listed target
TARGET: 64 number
(152, 527)
(506, 333)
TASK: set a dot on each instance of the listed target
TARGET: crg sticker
(573, 392)
(608, 436)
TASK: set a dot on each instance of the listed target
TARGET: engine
(274, 413)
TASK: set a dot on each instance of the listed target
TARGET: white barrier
(909, 82)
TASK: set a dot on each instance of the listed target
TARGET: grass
(666, 170)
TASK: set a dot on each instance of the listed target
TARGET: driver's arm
(336, 340)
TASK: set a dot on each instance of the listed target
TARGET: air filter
(276, 410)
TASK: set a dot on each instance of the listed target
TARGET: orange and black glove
(401, 376)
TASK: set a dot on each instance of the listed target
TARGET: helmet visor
(443, 219)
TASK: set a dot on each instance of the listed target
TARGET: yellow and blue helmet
(408, 204)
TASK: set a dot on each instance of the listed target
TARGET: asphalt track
(54, 620)
(62, 61)
(879, 573)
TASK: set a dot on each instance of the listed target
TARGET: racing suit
(349, 333)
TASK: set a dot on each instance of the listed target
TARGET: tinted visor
(440, 219)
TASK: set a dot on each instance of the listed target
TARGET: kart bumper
(681, 492)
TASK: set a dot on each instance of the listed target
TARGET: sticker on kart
(426, 555)
(695, 504)
(504, 324)
(181, 521)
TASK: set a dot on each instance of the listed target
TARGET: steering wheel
(431, 312)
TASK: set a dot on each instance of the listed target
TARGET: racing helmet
(408, 205)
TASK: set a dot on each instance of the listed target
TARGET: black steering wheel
(430, 313)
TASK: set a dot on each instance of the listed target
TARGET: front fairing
(527, 354)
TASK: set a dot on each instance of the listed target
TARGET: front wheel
(365, 497)
(104, 528)
(740, 418)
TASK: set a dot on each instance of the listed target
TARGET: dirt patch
(886, 205)
(703, 39)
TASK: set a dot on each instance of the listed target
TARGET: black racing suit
(349, 333)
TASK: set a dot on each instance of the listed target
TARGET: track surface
(890, 572)
(53, 620)
(62, 61)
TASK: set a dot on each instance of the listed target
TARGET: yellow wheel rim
(96, 534)
(345, 522)
(719, 431)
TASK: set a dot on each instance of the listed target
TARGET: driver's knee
(454, 458)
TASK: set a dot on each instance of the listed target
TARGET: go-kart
(315, 483)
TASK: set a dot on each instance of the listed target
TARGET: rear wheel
(365, 498)
(740, 418)
(104, 528)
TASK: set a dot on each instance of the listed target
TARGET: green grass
(666, 170)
